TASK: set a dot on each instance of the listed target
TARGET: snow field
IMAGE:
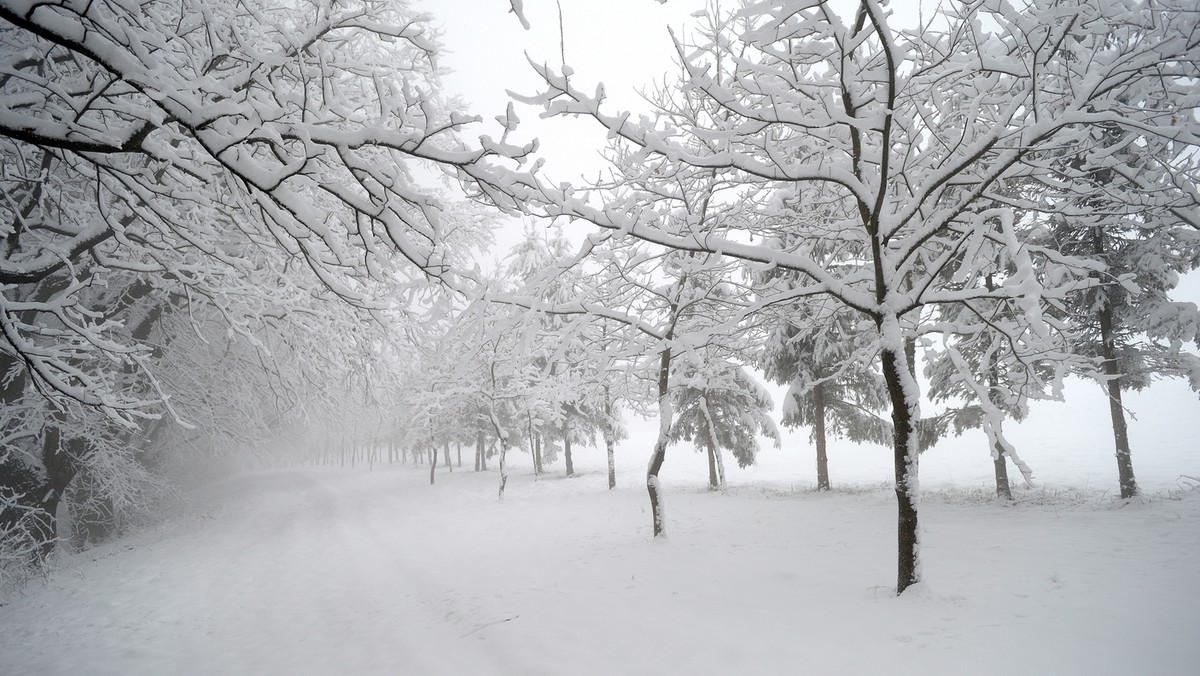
(340, 571)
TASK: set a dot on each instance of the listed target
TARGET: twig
(489, 624)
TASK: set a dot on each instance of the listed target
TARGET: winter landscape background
(268, 300)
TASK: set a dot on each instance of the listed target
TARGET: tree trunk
(433, 455)
(819, 433)
(536, 440)
(567, 448)
(1003, 490)
(612, 465)
(1112, 370)
(608, 441)
(446, 455)
(478, 450)
(503, 468)
(720, 469)
(903, 395)
(1000, 465)
(1116, 408)
(60, 471)
(712, 458)
(999, 457)
(458, 450)
(502, 437)
(665, 414)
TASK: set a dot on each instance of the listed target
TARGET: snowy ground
(350, 571)
(373, 571)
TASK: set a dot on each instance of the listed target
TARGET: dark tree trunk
(660, 445)
(819, 433)
(446, 455)
(458, 450)
(1116, 408)
(478, 451)
(905, 460)
(1112, 370)
(538, 467)
(567, 449)
(999, 460)
(60, 471)
(1003, 490)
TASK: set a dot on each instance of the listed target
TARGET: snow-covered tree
(1117, 203)
(980, 378)
(718, 405)
(168, 171)
(912, 133)
(829, 390)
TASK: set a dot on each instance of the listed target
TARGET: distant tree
(975, 373)
(719, 405)
(829, 392)
(1117, 204)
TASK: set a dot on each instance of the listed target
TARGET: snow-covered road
(339, 571)
(289, 576)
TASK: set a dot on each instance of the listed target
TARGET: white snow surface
(330, 570)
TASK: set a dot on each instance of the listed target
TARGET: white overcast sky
(622, 43)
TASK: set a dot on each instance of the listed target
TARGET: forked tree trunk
(716, 466)
(534, 450)
(999, 463)
(502, 437)
(712, 459)
(999, 457)
(819, 433)
(902, 393)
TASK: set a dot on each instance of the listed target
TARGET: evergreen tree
(1116, 204)
(718, 405)
(829, 391)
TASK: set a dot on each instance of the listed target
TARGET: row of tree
(216, 225)
(221, 224)
(1010, 190)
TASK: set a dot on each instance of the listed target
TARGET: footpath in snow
(349, 571)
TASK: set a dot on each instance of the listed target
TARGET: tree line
(221, 229)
